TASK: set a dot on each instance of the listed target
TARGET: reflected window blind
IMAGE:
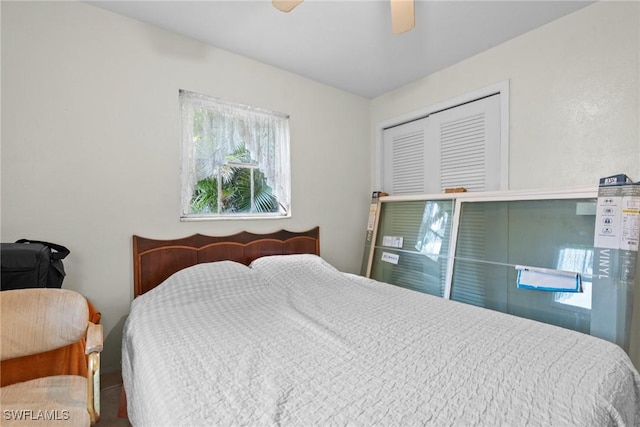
(469, 277)
(404, 221)
(416, 269)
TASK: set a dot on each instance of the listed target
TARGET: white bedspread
(291, 341)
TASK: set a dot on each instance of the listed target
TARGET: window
(421, 230)
(235, 160)
(465, 247)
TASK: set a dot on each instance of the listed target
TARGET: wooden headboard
(156, 260)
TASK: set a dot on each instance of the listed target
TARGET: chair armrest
(94, 338)
(93, 348)
(93, 387)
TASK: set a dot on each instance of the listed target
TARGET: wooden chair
(38, 320)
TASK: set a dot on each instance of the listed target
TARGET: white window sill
(243, 217)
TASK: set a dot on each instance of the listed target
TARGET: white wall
(574, 96)
(90, 144)
(574, 102)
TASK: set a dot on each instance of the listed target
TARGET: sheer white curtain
(213, 130)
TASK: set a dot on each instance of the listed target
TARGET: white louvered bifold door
(468, 137)
(406, 158)
(456, 147)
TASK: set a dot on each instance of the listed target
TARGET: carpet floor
(110, 388)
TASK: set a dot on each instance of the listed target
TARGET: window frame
(609, 324)
(190, 102)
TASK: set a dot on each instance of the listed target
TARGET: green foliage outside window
(235, 188)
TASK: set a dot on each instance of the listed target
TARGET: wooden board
(156, 260)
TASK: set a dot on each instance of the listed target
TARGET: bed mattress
(292, 341)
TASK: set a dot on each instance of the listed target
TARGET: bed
(259, 330)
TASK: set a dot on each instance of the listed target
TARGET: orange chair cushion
(68, 360)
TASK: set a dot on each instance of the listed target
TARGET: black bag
(32, 264)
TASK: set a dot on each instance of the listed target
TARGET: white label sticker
(392, 241)
(630, 223)
(608, 215)
(373, 208)
(391, 258)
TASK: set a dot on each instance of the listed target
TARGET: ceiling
(349, 44)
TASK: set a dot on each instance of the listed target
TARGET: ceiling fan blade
(285, 5)
(402, 16)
